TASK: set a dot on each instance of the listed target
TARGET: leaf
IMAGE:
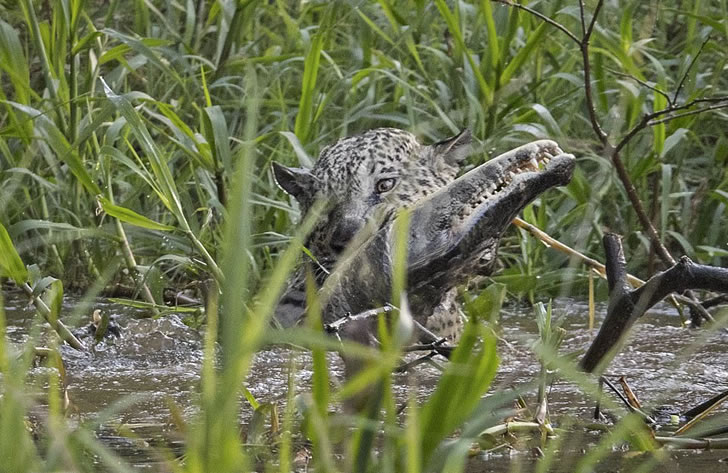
(53, 297)
(302, 127)
(673, 140)
(719, 26)
(40, 180)
(12, 61)
(720, 195)
(217, 134)
(163, 175)
(493, 47)
(546, 116)
(142, 172)
(129, 216)
(686, 246)
(523, 54)
(374, 27)
(120, 50)
(10, 263)
(19, 228)
(303, 158)
(660, 102)
(466, 379)
(488, 304)
(713, 251)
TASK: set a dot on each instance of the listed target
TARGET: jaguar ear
(296, 181)
(454, 150)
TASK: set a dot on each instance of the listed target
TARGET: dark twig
(686, 114)
(714, 301)
(416, 362)
(639, 209)
(647, 118)
(423, 347)
(626, 402)
(593, 21)
(697, 310)
(581, 17)
(429, 340)
(644, 84)
(584, 46)
(687, 71)
(626, 306)
(706, 406)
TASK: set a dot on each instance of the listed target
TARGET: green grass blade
(493, 46)
(665, 198)
(216, 133)
(303, 125)
(10, 263)
(458, 392)
(535, 39)
(129, 216)
(659, 131)
(14, 64)
(164, 179)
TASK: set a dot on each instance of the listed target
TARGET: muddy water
(156, 363)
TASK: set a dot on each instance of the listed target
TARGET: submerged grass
(146, 129)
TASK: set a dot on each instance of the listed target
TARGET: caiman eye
(385, 185)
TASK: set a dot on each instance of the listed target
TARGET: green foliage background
(327, 70)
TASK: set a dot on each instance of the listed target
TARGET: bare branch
(417, 361)
(423, 347)
(429, 341)
(626, 306)
(584, 45)
(647, 118)
(686, 114)
(644, 84)
(551, 242)
(589, 30)
(581, 17)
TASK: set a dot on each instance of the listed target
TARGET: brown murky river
(158, 363)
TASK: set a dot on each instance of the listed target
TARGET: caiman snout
(456, 231)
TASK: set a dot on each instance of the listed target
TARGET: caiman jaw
(457, 229)
(511, 169)
(517, 178)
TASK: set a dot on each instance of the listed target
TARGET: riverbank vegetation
(136, 138)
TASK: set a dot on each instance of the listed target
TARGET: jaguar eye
(385, 185)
